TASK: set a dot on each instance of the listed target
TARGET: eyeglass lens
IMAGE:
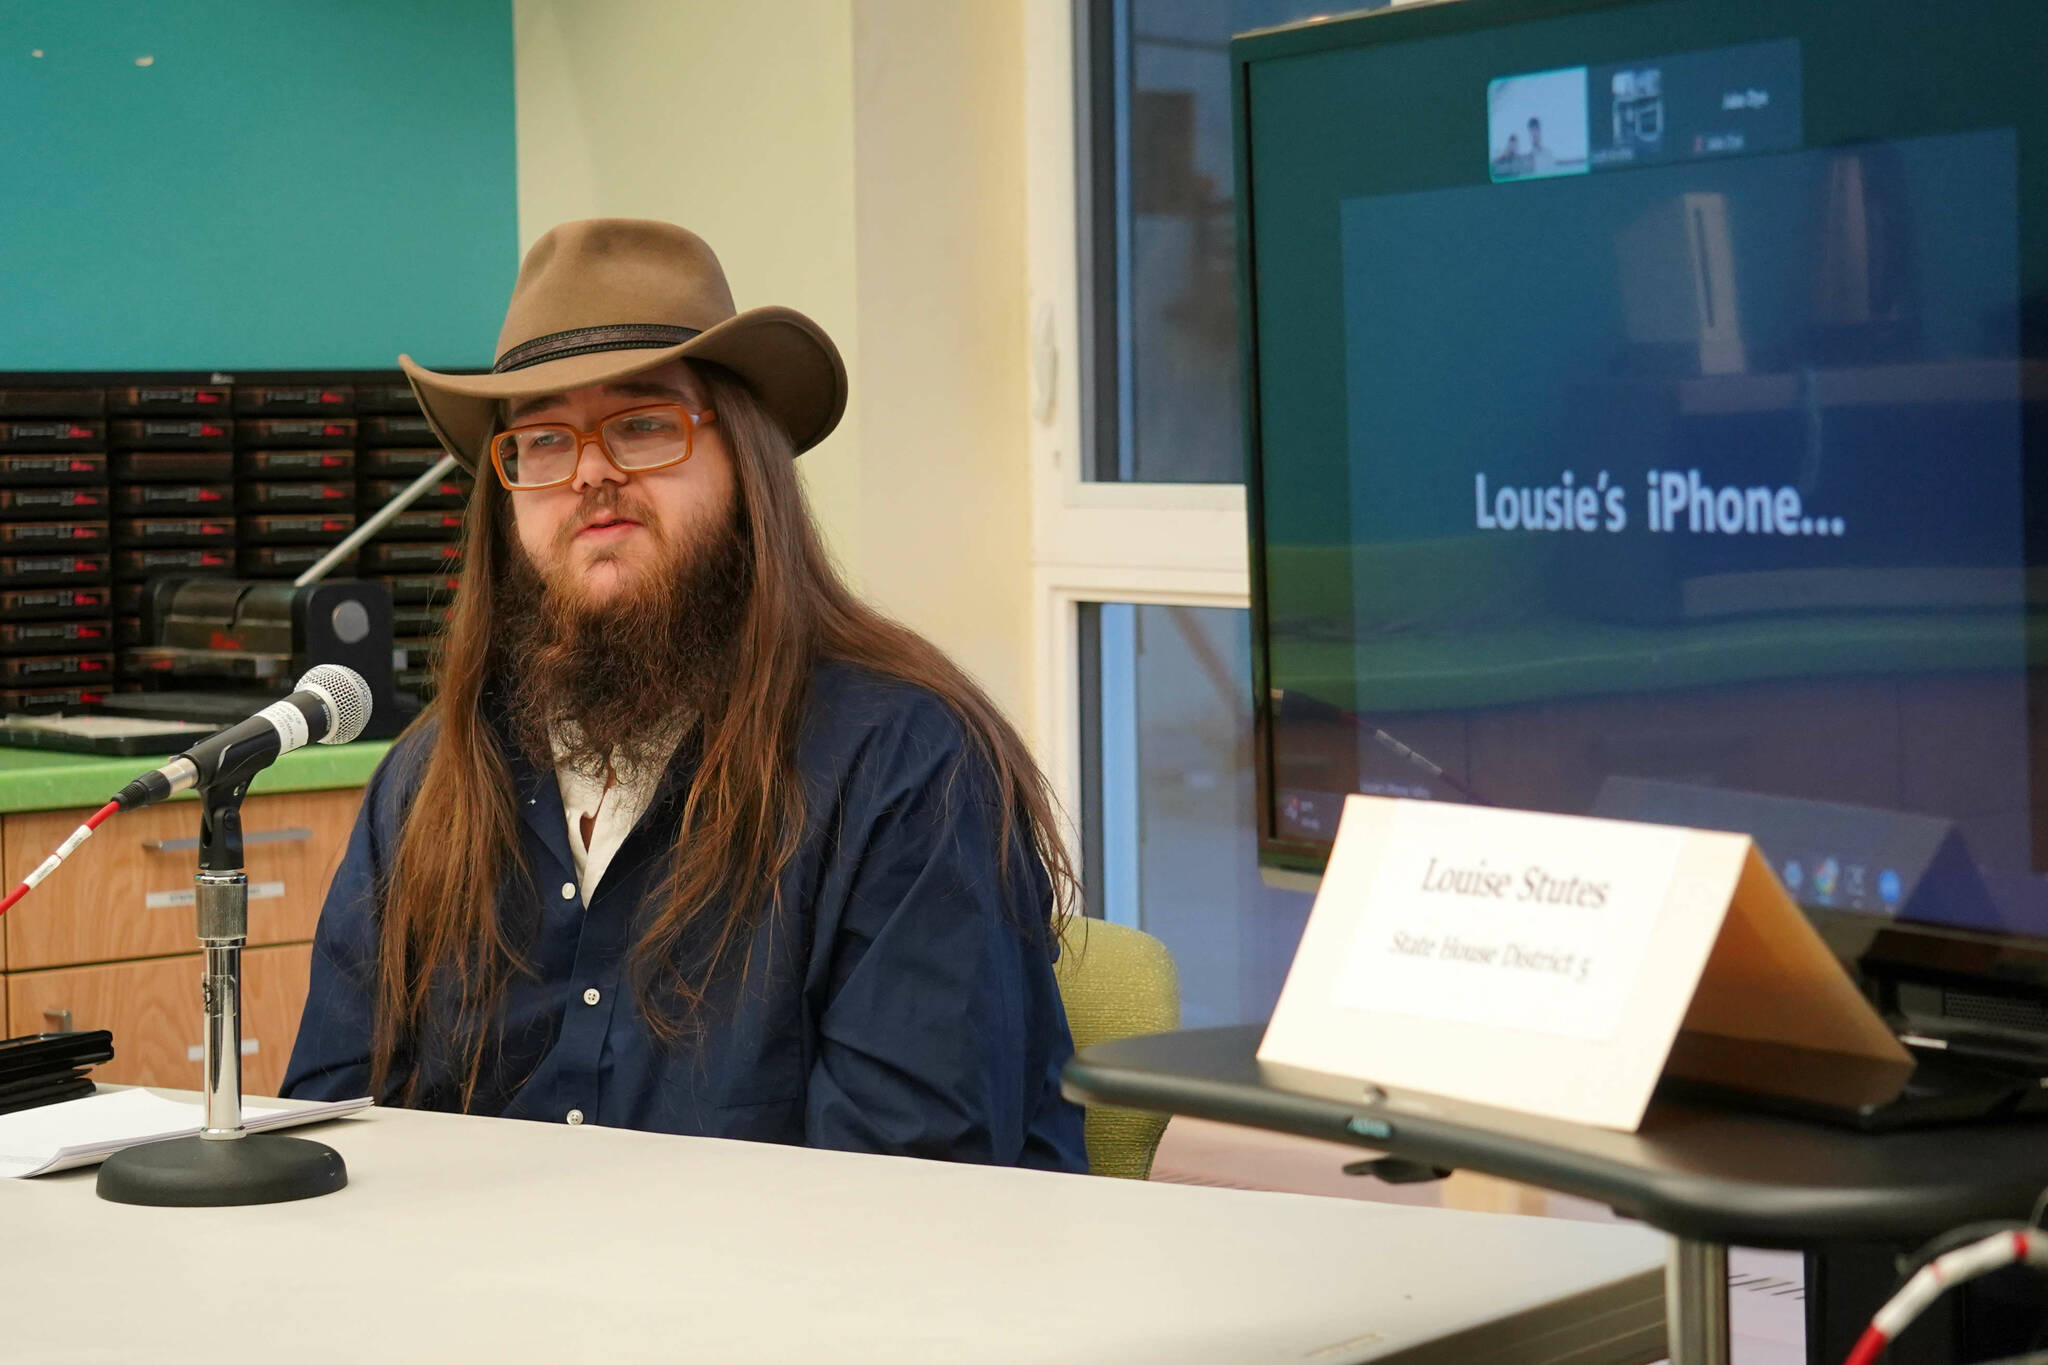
(645, 438)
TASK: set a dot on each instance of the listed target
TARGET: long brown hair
(742, 820)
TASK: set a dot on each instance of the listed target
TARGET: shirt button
(575, 1116)
(568, 891)
(591, 997)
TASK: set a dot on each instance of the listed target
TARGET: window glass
(1163, 236)
(1170, 767)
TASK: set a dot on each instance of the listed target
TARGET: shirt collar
(539, 794)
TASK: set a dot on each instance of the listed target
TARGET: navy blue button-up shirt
(902, 1002)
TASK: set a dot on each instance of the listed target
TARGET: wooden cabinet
(127, 892)
(153, 1009)
(111, 938)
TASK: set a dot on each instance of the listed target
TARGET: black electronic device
(45, 604)
(171, 433)
(431, 524)
(44, 637)
(407, 461)
(174, 466)
(47, 1068)
(1641, 396)
(297, 495)
(149, 399)
(54, 434)
(286, 561)
(23, 537)
(106, 735)
(174, 499)
(413, 558)
(54, 1090)
(1947, 1083)
(386, 397)
(409, 430)
(64, 569)
(411, 590)
(77, 467)
(313, 462)
(52, 402)
(299, 431)
(133, 566)
(34, 699)
(326, 400)
(449, 494)
(244, 641)
(52, 670)
(175, 531)
(53, 502)
(43, 1054)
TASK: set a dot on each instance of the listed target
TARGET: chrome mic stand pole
(223, 901)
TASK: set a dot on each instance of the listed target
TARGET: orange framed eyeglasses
(636, 441)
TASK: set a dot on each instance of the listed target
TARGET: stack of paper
(57, 1137)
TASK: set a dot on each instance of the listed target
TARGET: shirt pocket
(774, 1085)
(745, 1078)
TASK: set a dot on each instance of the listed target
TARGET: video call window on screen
(1724, 102)
(1667, 454)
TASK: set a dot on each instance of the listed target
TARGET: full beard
(590, 683)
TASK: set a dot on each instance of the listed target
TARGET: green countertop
(43, 779)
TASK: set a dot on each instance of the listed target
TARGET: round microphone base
(195, 1172)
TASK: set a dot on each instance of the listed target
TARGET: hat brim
(786, 359)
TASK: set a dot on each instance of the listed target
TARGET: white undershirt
(615, 799)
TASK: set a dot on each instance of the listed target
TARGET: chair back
(1118, 982)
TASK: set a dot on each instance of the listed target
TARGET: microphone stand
(224, 1163)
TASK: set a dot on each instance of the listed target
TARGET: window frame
(1093, 541)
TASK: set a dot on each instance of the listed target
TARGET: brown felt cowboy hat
(605, 298)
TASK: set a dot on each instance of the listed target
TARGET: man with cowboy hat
(690, 839)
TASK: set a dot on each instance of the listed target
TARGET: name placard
(1546, 963)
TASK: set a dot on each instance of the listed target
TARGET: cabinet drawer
(155, 1013)
(127, 891)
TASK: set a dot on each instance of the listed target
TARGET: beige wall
(731, 117)
(943, 399)
(861, 160)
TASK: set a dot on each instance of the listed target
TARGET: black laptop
(1937, 943)
(1948, 1081)
(44, 1068)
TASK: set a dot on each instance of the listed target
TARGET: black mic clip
(220, 819)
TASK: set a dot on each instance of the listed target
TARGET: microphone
(331, 706)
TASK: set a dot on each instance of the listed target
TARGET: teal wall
(287, 183)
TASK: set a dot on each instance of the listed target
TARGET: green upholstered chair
(1118, 982)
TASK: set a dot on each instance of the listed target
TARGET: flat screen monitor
(1646, 404)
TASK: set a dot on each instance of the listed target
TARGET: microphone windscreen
(347, 697)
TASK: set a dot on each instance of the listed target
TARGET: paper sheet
(84, 1132)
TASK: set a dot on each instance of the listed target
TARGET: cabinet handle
(297, 834)
(57, 1021)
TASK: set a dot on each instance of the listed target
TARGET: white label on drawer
(197, 1052)
(171, 900)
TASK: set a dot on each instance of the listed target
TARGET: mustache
(606, 497)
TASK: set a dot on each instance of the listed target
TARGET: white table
(483, 1239)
